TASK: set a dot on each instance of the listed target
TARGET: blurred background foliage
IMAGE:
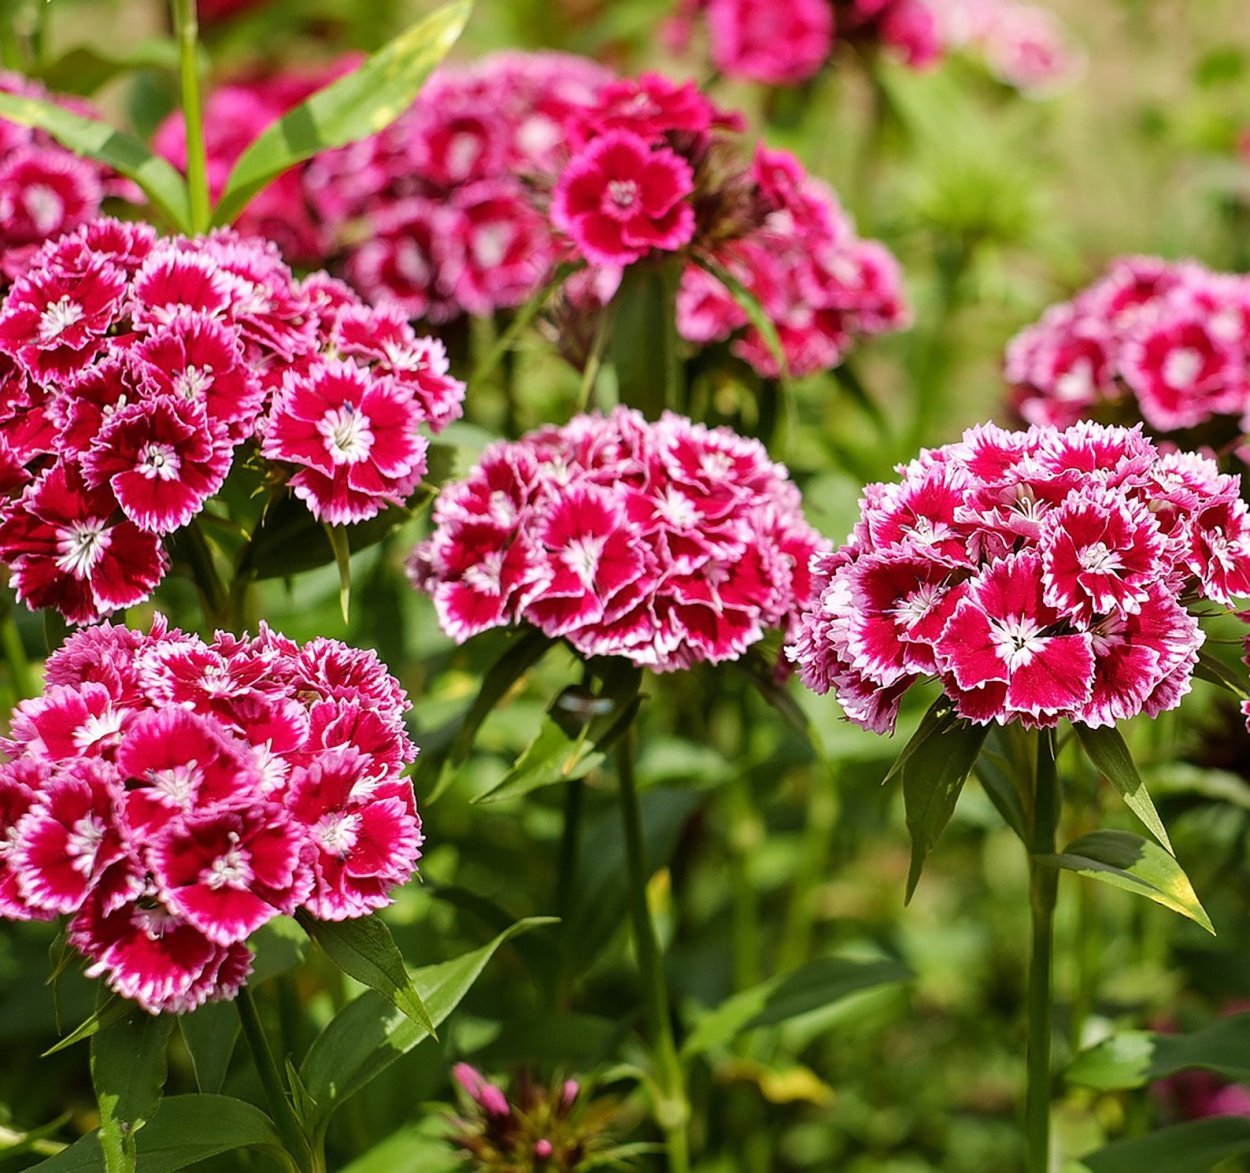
(769, 854)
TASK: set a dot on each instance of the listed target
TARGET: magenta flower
(762, 41)
(619, 198)
(171, 797)
(131, 370)
(354, 438)
(666, 543)
(1039, 576)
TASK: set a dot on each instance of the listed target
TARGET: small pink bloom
(760, 41)
(352, 438)
(619, 198)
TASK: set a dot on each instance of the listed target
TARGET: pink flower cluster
(820, 285)
(45, 190)
(1024, 46)
(1168, 341)
(782, 44)
(451, 210)
(1038, 575)
(131, 369)
(436, 213)
(667, 543)
(171, 796)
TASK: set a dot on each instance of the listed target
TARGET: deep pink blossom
(1039, 575)
(618, 199)
(667, 543)
(171, 797)
(762, 41)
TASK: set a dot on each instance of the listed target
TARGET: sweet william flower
(619, 198)
(762, 41)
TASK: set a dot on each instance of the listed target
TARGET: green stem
(673, 1110)
(305, 1157)
(15, 653)
(1043, 890)
(10, 43)
(216, 599)
(187, 29)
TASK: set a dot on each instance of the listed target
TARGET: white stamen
(1016, 640)
(158, 462)
(347, 434)
(581, 556)
(84, 841)
(81, 543)
(58, 317)
(338, 832)
(1181, 367)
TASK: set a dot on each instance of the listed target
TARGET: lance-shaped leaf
(108, 1010)
(364, 949)
(1214, 671)
(367, 1035)
(644, 344)
(435, 770)
(521, 318)
(185, 1130)
(106, 144)
(1135, 1058)
(750, 305)
(818, 984)
(210, 1034)
(1110, 756)
(128, 1067)
(1131, 862)
(935, 765)
(574, 739)
(1196, 1146)
(362, 103)
(85, 68)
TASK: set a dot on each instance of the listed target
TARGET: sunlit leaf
(818, 984)
(1105, 747)
(185, 1130)
(1128, 861)
(106, 144)
(1137, 1057)
(368, 1034)
(1196, 1146)
(128, 1067)
(364, 949)
(362, 103)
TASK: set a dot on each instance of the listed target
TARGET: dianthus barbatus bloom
(1166, 342)
(133, 367)
(171, 796)
(1039, 575)
(666, 543)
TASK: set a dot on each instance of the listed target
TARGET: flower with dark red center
(619, 198)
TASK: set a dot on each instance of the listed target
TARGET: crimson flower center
(194, 381)
(158, 462)
(231, 869)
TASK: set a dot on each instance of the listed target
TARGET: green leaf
(1137, 1057)
(818, 984)
(935, 765)
(566, 750)
(414, 1148)
(644, 344)
(520, 321)
(997, 777)
(343, 559)
(1214, 671)
(1128, 861)
(1110, 756)
(109, 1010)
(85, 68)
(185, 1129)
(279, 945)
(435, 771)
(1196, 1146)
(364, 949)
(367, 1035)
(105, 144)
(210, 1034)
(939, 717)
(128, 1068)
(362, 103)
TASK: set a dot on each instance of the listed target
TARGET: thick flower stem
(673, 1109)
(187, 30)
(306, 1157)
(1043, 889)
